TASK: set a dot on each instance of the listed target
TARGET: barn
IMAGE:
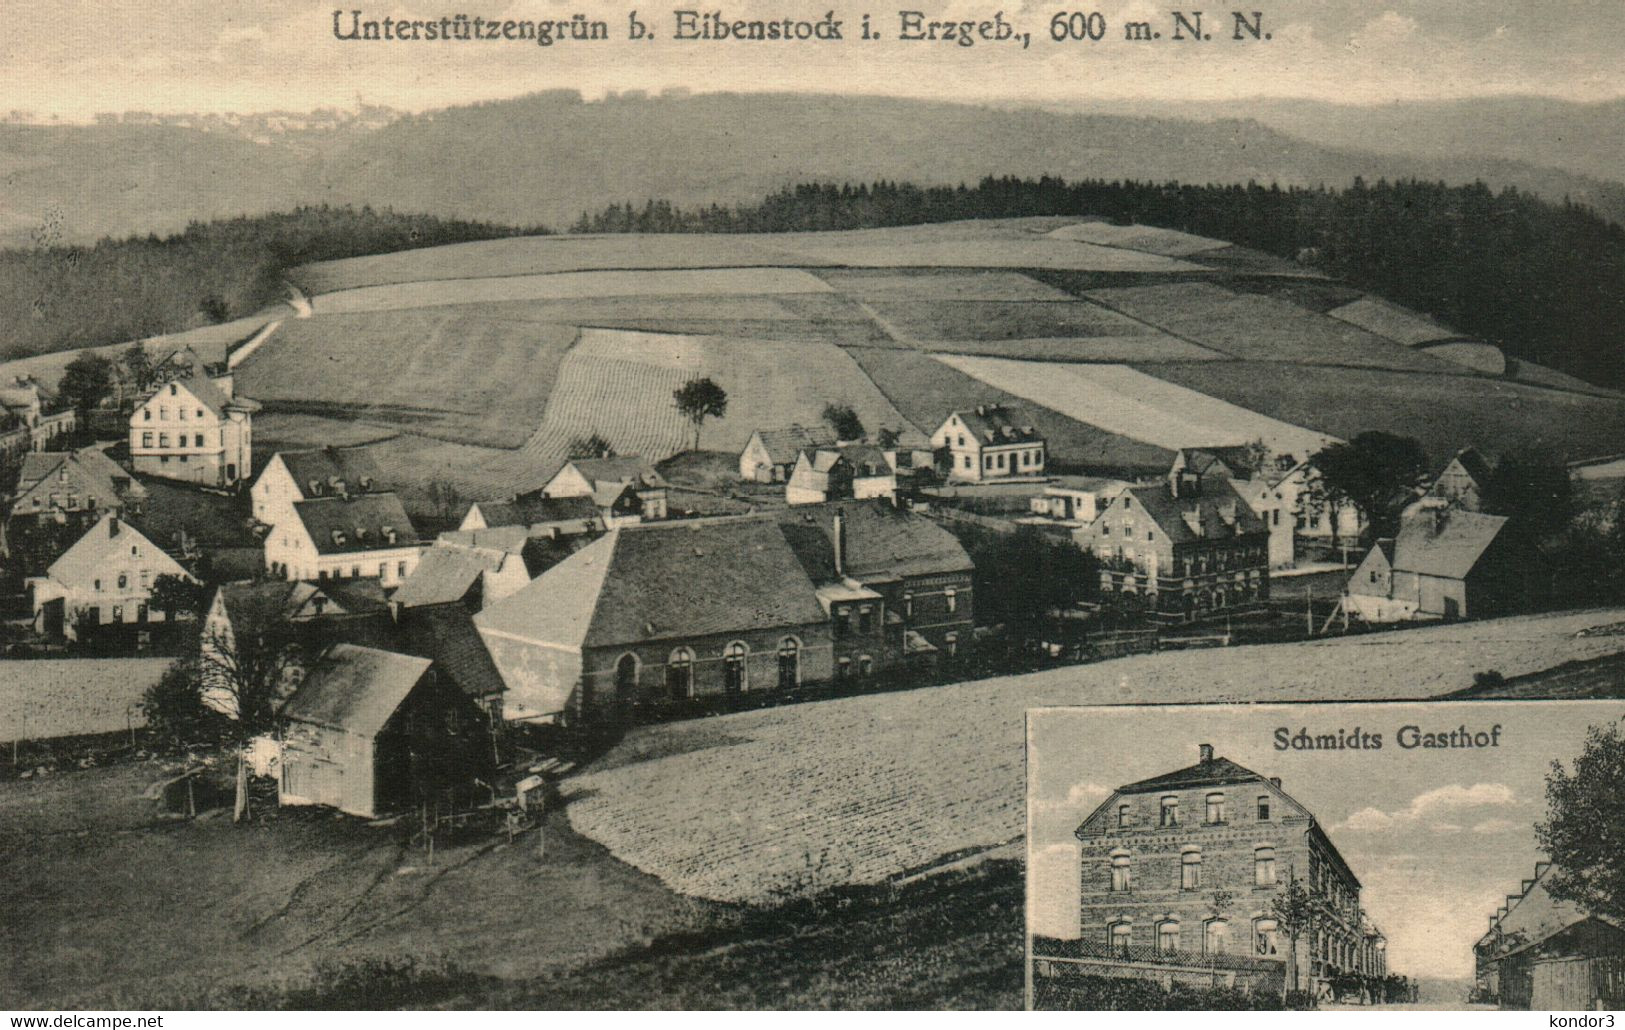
(370, 732)
(1542, 953)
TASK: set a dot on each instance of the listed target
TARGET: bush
(174, 706)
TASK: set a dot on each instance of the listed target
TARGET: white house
(453, 571)
(107, 575)
(544, 518)
(345, 537)
(850, 471)
(990, 442)
(1075, 499)
(770, 454)
(190, 429)
(292, 476)
(626, 490)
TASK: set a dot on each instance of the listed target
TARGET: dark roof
(664, 580)
(351, 464)
(445, 574)
(446, 634)
(90, 473)
(1475, 464)
(356, 689)
(1236, 460)
(618, 470)
(1444, 542)
(535, 510)
(359, 521)
(253, 602)
(997, 424)
(883, 542)
(210, 518)
(357, 596)
(1214, 773)
(1218, 496)
(784, 446)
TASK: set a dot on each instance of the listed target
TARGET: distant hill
(549, 157)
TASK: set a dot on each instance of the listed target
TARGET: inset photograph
(1456, 855)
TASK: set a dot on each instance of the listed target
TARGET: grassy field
(478, 375)
(1258, 328)
(925, 389)
(1445, 413)
(283, 430)
(1393, 322)
(1146, 238)
(1146, 347)
(935, 319)
(1136, 405)
(939, 284)
(859, 789)
(73, 696)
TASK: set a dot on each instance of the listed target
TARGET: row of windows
(163, 440)
(1215, 937)
(163, 413)
(124, 579)
(735, 669)
(1190, 869)
(1215, 809)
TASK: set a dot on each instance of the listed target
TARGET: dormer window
(315, 487)
(388, 533)
(338, 538)
(173, 389)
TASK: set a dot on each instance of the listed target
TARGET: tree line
(1538, 279)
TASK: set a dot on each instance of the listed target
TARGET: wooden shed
(370, 732)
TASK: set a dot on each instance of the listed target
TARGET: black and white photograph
(1381, 856)
(514, 506)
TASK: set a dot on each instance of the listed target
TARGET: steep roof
(89, 473)
(209, 518)
(783, 446)
(619, 470)
(1213, 773)
(446, 634)
(507, 539)
(97, 545)
(996, 424)
(1444, 542)
(204, 389)
(371, 514)
(663, 580)
(883, 542)
(253, 602)
(537, 510)
(1208, 508)
(1474, 464)
(356, 689)
(350, 464)
(1236, 460)
(445, 573)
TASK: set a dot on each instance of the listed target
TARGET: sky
(1436, 837)
(72, 58)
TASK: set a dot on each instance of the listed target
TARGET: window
(163, 414)
(1264, 808)
(1215, 808)
(141, 613)
(843, 668)
(1170, 812)
(952, 640)
(146, 578)
(1122, 815)
(355, 572)
(181, 414)
(908, 605)
(626, 677)
(951, 596)
(1264, 938)
(1190, 870)
(866, 665)
(1122, 874)
(123, 580)
(400, 569)
(735, 676)
(172, 389)
(1264, 866)
(163, 439)
(843, 622)
(118, 613)
(1120, 936)
(866, 619)
(965, 461)
(1168, 937)
(789, 663)
(146, 414)
(680, 674)
(1215, 937)
(183, 444)
(98, 584)
(198, 440)
(146, 441)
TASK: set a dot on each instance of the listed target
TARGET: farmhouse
(624, 489)
(657, 615)
(542, 517)
(888, 578)
(105, 577)
(345, 537)
(292, 476)
(1178, 872)
(61, 494)
(191, 429)
(1188, 549)
(452, 572)
(1075, 499)
(844, 472)
(1462, 481)
(770, 454)
(1545, 954)
(370, 732)
(1315, 517)
(989, 442)
(1445, 563)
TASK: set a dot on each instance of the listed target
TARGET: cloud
(1489, 826)
(1434, 810)
(1386, 30)
(1080, 798)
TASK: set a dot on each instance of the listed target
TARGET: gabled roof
(89, 473)
(445, 574)
(663, 580)
(97, 545)
(200, 386)
(355, 689)
(1214, 773)
(995, 424)
(883, 542)
(618, 470)
(1473, 464)
(1536, 916)
(351, 465)
(208, 518)
(1208, 509)
(538, 510)
(1444, 542)
(333, 523)
(783, 446)
(446, 634)
(256, 601)
(507, 539)
(1201, 460)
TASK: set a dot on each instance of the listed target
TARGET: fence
(1058, 959)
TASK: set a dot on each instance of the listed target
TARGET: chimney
(1206, 752)
(838, 536)
(1275, 781)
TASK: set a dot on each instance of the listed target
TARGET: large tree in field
(1584, 830)
(1376, 472)
(699, 399)
(86, 380)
